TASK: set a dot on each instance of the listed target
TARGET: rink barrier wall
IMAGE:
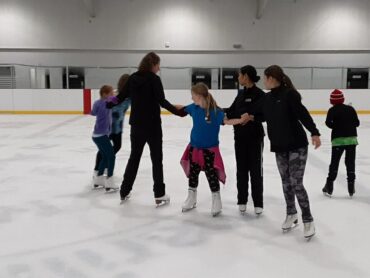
(78, 101)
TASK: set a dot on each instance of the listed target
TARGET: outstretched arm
(163, 102)
(122, 95)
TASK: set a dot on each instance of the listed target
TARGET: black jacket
(284, 113)
(343, 121)
(244, 103)
(147, 96)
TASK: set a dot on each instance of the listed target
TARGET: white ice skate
(216, 203)
(161, 201)
(109, 185)
(258, 210)
(191, 200)
(99, 181)
(290, 222)
(309, 230)
(243, 209)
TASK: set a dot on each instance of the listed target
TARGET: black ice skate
(328, 189)
(351, 188)
(124, 198)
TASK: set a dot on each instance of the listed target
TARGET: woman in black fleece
(145, 90)
(284, 113)
(248, 141)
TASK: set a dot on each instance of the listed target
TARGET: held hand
(179, 107)
(109, 105)
(245, 118)
(232, 122)
(316, 141)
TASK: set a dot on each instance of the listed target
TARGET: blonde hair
(202, 90)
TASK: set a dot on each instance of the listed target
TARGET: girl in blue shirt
(203, 154)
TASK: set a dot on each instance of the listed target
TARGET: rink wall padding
(78, 101)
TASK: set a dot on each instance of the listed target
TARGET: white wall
(187, 25)
(72, 100)
(290, 33)
(41, 100)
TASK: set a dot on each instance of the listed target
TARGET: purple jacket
(103, 117)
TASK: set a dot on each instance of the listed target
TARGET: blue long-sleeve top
(118, 116)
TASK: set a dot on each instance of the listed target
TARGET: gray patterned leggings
(291, 166)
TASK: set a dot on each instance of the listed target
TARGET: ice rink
(52, 224)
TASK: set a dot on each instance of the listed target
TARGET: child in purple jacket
(100, 137)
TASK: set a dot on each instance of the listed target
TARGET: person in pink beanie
(342, 119)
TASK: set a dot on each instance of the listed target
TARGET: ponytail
(287, 82)
(277, 73)
(211, 105)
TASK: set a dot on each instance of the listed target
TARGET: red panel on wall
(87, 101)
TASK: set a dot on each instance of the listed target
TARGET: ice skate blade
(188, 209)
(327, 194)
(125, 199)
(97, 187)
(215, 214)
(295, 225)
(308, 238)
(159, 204)
(111, 190)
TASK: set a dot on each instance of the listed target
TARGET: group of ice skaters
(281, 108)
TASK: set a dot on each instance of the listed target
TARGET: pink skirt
(198, 158)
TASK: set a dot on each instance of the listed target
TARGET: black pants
(139, 137)
(350, 157)
(117, 143)
(248, 153)
(209, 169)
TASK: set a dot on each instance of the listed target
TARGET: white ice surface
(53, 225)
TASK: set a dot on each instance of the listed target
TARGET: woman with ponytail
(203, 154)
(248, 141)
(284, 113)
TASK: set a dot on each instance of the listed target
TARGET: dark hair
(151, 59)
(104, 90)
(122, 82)
(251, 72)
(277, 73)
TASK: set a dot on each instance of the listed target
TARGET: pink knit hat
(336, 97)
